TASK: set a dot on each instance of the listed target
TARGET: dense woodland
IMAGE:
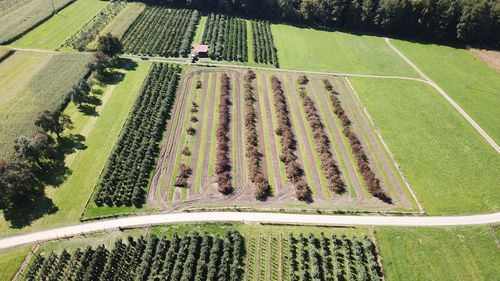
(467, 21)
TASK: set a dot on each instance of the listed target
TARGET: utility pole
(53, 8)
(468, 72)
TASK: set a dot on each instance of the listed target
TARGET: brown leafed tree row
(330, 168)
(369, 177)
(294, 172)
(262, 188)
(222, 161)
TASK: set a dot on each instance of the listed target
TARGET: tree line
(467, 21)
(222, 160)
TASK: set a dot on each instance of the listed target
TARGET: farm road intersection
(245, 217)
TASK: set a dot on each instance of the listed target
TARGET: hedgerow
(222, 161)
(323, 144)
(92, 28)
(130, 164)
(293, 170)
(262, 188)
(369, 177)
(161, 31)
(264, 50)
(152, 258)
(226, 37)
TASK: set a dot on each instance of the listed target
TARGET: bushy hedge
(151, 258)
(222, 160)
(132, 160)
(159, 31)
(264, 50)
(226, 37)
(372, 183)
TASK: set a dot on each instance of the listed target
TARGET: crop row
(130, 165)
(332, 258)
(294, 172)
(264, 50)
(222, 161)
(322, 142)
(92, 28)
(262, 188)
(226, 37)
(191, 257)
(159, 31)
(369, 177)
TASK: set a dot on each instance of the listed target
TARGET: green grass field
(101, 134)
(11, 260)
(334, 51)
(449, 68)
(52, 33)
(449, 166)
(422, 254)
(30, 83)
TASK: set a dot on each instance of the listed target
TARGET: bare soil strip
(238, 131)
(376, 150)
(274, 157)
(330, 121)
(304, 148)
(202, 107)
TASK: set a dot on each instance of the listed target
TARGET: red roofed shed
(201, 50)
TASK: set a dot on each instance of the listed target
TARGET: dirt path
(238, 115)
(323, 100)
(372, 139)
(299, 125)
(260, 131)
(274, 157)
(169, 143)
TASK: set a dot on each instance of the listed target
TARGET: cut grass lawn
(86, 165)
(30, 83)
(439, 253)
(11, 260)
(334, 51)
(51, 34)
(449, 166)
(449, 68)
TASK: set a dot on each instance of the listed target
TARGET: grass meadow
(449, 67)
(51, 34)
(448, 164)
(100, 132)
(11, 260)
(32, 82)
(23, 18)
(421, 254)
(318, 50)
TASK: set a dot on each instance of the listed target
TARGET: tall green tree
(478, 23)
(18, 185)
(110, 45)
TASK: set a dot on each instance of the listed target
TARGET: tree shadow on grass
(25, 215)
(88, 109)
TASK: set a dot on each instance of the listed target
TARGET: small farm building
(201, 50)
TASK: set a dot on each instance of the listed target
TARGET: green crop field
(448, 164)
(449, 67)
(422, 254)
(21, 18)
(51, 34)
(318, 50)
(101, 133)
(10, 261)
(33, 82)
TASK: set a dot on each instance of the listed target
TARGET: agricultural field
(264, 50)
(5, 52)
(226, 37)
(33, 82)
(469, 81)
(458, 253)
(99, 132)
(439, 152)
(19, 16)
(160, 31)
(55, 31)
(302, 48)
(10, 261)
(191, 146)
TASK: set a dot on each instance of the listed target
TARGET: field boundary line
(244, 217)
(446, 96)
(420, 207)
